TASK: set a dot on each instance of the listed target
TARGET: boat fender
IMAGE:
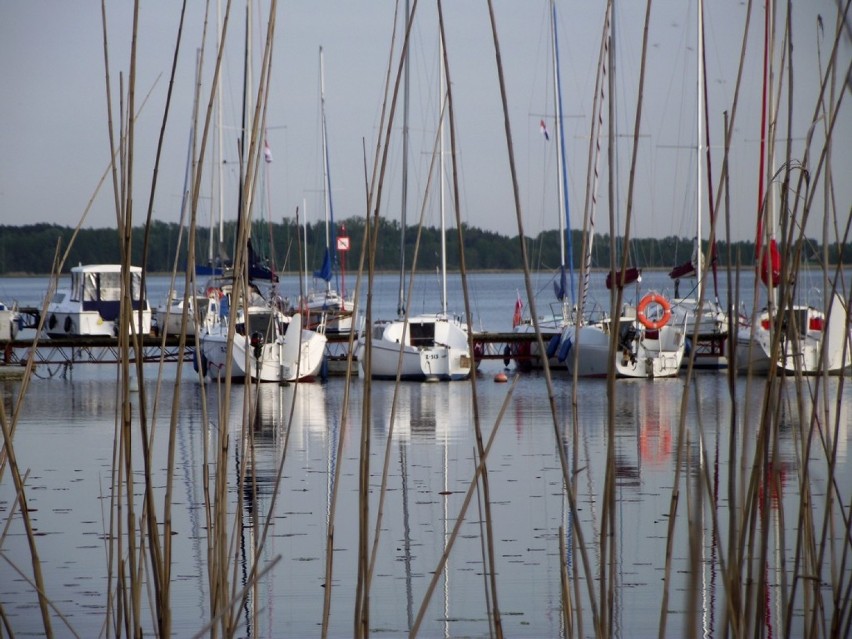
(69, 325)
(564, 350)
(659, 300)
(199, 363)
(324, 369)
(507, 355)
(553, 345)
(51, 323)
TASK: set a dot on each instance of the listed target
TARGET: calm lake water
(65, 436)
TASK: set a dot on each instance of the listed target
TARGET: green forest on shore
(32, 249)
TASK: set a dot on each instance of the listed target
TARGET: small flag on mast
(544, 130)
(267, 152)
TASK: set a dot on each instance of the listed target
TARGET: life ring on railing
(214, 293)
(645, 302)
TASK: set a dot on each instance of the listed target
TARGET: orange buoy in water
(501, 377)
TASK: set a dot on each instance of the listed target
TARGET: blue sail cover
(560, 288)
(325, 271)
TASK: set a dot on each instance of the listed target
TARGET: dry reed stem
(534, 315)
(486, 490)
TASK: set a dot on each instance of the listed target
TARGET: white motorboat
(10, 322)
(169, 315)
(91, 306)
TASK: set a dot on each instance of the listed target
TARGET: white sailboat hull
(272, 366)
(641, 353)
(816, 338)
(433, 349)
(297, 354)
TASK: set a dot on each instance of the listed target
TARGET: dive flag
(267, 152)
(544, 130)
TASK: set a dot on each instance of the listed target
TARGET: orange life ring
(214, 293)
(653, 298)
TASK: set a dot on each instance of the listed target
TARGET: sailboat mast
(557, 130)
(243, 141)
(404, 205)
(219, 155)
(565, 246)
(593, 167)
(699, 110)
(305, 239)
(326, 178)
(441, 177)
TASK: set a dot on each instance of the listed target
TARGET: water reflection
(425, 412)
(431, 463)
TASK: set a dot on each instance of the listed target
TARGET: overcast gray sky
(53, 128)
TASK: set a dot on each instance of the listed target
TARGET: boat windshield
(103, 286)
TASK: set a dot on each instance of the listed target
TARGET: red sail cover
(683, 270)
(770, 264)
(630, 275)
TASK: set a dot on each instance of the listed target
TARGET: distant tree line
(31, 249)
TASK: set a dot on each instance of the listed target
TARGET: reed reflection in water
(65, 438)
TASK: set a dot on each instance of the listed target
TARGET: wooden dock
(64, 353)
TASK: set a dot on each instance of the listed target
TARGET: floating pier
(58, 355)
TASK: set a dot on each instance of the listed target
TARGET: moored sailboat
(525, 354)
(648, 344)
(329, 305)
(787, 335)
(267, 345)
(706, 321)
(426, 347)
(809, 342)
(634, 341)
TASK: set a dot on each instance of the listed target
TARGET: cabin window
(104, 286)
(136, 286)
(261, 323)
(422, 334)
(76, 286)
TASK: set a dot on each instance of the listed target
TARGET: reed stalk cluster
(813, 581)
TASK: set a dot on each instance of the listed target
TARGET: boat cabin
(98, 288)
